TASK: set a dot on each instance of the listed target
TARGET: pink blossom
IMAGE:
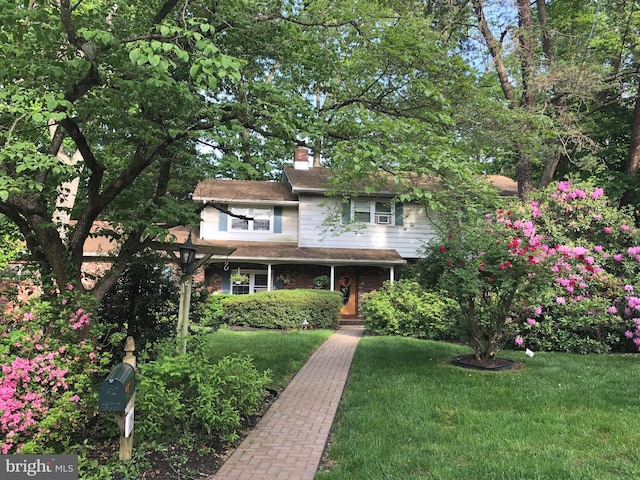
(597, 193)
(628, 288)
(74, 398)
(577, 193)
(607, 229)
(564, 186)
(69, 287)
(537, 310)
(560, 300)
(519, 340)
(617, 257)
(531, 321)
(624, 227)
(612, 309)
(578, 251)
(628, 334)
(598, 248)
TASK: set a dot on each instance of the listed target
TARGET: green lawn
(408, 414)
(283, 353)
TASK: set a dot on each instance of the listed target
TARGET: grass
(408, 414)
(283, 353)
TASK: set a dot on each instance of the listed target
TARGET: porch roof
(262, 252)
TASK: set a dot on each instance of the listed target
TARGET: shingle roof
(287, 252)
(215, 190)
(314, 180)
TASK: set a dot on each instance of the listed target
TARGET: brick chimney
(301, 158)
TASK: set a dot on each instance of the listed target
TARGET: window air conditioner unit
(383, 219)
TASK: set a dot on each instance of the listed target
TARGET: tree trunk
(550, 169)
(524, 168)
(495, 51)
(633, 157)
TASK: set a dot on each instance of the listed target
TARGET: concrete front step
(351, 321)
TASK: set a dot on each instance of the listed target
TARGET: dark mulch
(493, 364)
(173, 462)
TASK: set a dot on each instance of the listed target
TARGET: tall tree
(133, 102)
(565, 66)
(128, 87)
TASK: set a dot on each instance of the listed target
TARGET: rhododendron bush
(49, 366)
(590, 305)
(559, 272)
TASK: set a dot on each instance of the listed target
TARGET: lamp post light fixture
(187, 256)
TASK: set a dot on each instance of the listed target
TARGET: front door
(346, 284)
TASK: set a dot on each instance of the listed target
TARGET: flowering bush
(590, 302)
(487, 265)
(48, 363)
(556, 273)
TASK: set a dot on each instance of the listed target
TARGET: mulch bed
(494, 364)
(176, 463)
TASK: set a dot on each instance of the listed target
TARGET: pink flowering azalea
(628, 334)
(531, 321)
(617, 257)
(598, 248)
(519, 340)
(607, 229)
(560, 300)
(597, 193)
(612, 309)
(69, 287)
(537, 310)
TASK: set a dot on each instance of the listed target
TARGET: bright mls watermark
(39, 467)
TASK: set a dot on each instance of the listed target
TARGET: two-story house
(282, 238)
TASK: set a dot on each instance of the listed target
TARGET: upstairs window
(250, 219)
(373, 212)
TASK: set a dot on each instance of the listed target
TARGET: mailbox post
(117, 395)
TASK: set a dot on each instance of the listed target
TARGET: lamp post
(187, 255)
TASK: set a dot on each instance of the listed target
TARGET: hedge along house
(282, 237)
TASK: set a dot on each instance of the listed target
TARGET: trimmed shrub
(284, 309)
(407, 309)
(213, 312)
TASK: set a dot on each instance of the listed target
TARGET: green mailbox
(117, 389)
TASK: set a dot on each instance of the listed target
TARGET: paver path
(289, 439)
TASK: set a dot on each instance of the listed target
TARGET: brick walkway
(289, 440)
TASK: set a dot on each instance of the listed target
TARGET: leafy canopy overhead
(111, 111)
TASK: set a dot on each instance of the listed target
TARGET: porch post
(333, 278)
(392, 274)
(269, 279)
